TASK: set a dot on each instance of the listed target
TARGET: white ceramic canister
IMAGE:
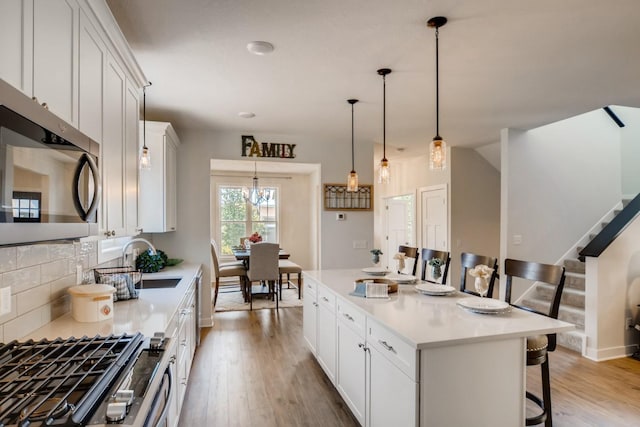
(91, 303)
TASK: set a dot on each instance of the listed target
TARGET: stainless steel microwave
(49, 179)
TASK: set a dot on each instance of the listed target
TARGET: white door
(399, 228)
(434, 219)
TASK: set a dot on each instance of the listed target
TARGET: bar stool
(470, 260)
(289, 267)
(443, 256)
(538, 347)
(410, 252)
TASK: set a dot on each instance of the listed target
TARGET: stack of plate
(484, 305)
(401, 278)
(435, 289)
(376, 271)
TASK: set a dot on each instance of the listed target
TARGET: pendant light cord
(384, 117)
(144, 115)
(353, 167)
(437, 89)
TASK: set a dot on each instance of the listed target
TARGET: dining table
(244, 255)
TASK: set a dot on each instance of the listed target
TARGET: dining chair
(288, 267)
(410, 252)
(445, 259)
(263, 267)
(538, 346)
(224, 264)
(470, 260)
(226, 271)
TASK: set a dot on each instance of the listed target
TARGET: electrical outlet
(5, 300)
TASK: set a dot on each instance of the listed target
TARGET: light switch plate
(5, 300)
(359, 244)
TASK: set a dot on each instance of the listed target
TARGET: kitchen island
(419, 360)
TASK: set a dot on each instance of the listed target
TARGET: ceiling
(503, 63)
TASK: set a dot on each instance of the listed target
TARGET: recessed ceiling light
(260, 48)
(246, 114)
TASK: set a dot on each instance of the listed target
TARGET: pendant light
(438, 147)
(255, 195)
(352, 179)
(145, 156)
(383, 171)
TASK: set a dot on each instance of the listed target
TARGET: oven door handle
(167, 403)
(86, 159)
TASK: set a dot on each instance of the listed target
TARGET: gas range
(77, 381)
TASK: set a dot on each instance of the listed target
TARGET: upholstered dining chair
(538, 347)
(288, 267)
(264, 267)
(226, 271)
(410, 252)
(428, 255)
(224, 264)
(470, 260)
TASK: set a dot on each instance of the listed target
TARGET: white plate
(401, 278)
(484, 305)
(375, 271)
(435, 289)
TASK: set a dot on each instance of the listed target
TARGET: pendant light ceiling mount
(383, 172)
(352, 178)
(438, 147)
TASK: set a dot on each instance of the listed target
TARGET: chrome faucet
(136, 240)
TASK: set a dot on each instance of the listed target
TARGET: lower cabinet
(372, 368)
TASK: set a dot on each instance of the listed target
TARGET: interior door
(399, 227)
(434, 218)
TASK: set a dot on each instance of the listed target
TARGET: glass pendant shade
(255, 195)
(352, 181)
(145, 158)
(438, 154)
(383, 172)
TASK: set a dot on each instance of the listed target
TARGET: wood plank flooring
(253, 368)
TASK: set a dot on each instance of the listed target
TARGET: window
(26, 206)
(239, 218)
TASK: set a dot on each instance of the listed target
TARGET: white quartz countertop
(433, 321)
(149, 313)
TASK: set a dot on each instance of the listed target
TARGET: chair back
(263, 261)
(214, 256)
(552, 275)
(470, 260)
(410, 252)
(427, 255)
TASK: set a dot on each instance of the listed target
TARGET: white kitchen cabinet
(326, 330)
(16, 34)
(310, 315)
(55, 55)
(92, 53)
(351, 357)
(131, 133)
(157, 196)
(113, 155)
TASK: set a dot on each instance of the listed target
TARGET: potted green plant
(375, 255)
(436, 267)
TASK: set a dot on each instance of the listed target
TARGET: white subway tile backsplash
(23, 279)
(60, 251)
(39, 276)
(54, 270)
(33, 298)
(32, 255)
(8, 259)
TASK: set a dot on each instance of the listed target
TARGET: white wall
(558, 181)
(630, 149)
(191, 240)
(617, 275)
(475, 208)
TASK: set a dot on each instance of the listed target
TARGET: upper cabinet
(157, 197)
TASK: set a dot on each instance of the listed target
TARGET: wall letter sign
(253, 148)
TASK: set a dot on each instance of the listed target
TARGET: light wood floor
(253, 369)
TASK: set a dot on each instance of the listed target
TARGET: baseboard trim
(600, 355)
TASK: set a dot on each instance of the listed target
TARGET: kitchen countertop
(434, 321)
(149, 313)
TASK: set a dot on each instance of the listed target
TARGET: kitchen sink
(159, 283)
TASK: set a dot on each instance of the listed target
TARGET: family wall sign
(253, 148)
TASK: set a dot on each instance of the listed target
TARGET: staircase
(572, 301)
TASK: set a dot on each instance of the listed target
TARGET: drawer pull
(348, 317)
(387, 346)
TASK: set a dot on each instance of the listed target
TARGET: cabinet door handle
(348, 317)
(325, 299)
(316, 304)
(387, 346)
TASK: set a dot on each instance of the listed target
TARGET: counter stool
(538, 347)
(289, 267)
